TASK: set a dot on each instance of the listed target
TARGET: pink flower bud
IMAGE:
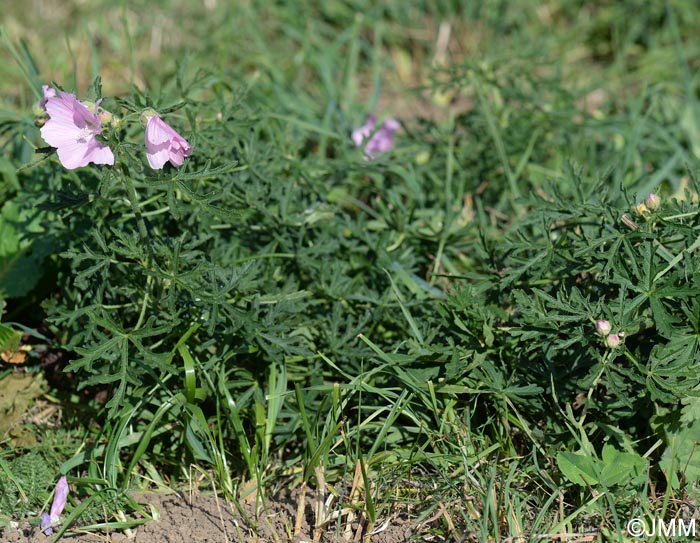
(652, 201)
(602, 327)
(613, 341)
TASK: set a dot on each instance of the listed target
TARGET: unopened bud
(652, 201)
(613, 341)
(602, 327)
(641, 209)
(146, 115)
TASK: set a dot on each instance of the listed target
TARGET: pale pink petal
(100, 153)
(177, 158)
(57, 134)
(60, 498)
(179, 149)
(392, 124)
(158, 158)
(73, 154)
(61, 111)
(158, 132)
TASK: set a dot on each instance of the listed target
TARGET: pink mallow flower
(163, 144)
(72, 129)
(381, 141)
(60, 497)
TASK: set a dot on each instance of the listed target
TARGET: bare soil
(206, 519)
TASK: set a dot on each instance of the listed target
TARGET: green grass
(412, 335)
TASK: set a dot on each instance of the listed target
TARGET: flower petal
(99, 153)
(158, 132)
(73, 154)
(57, 134)
(59, 498)
(158, 157)
(46, 524)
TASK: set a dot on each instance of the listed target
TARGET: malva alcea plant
(85, 133)
(74, 129)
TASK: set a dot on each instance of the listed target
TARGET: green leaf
(682, 454)
(615, 468)
(9, 338)
(577, 468)
(622, 467)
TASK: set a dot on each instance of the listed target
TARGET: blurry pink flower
(381, 141)
(163, 144)
(49, 92)
(72, 129)
(60, 497)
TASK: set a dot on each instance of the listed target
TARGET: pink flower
(49, 92)
(381, 141)
(72, 129)
(163, 144)
(60, 497)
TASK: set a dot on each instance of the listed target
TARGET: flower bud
(106, 116)
(652, 201)
(602, 327)
(613, 341)
(146, 115)
(641, 209)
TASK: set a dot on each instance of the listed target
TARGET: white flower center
(86, 133)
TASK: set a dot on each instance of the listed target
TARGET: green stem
(143, 232)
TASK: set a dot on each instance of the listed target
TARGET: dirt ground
(206, 520)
